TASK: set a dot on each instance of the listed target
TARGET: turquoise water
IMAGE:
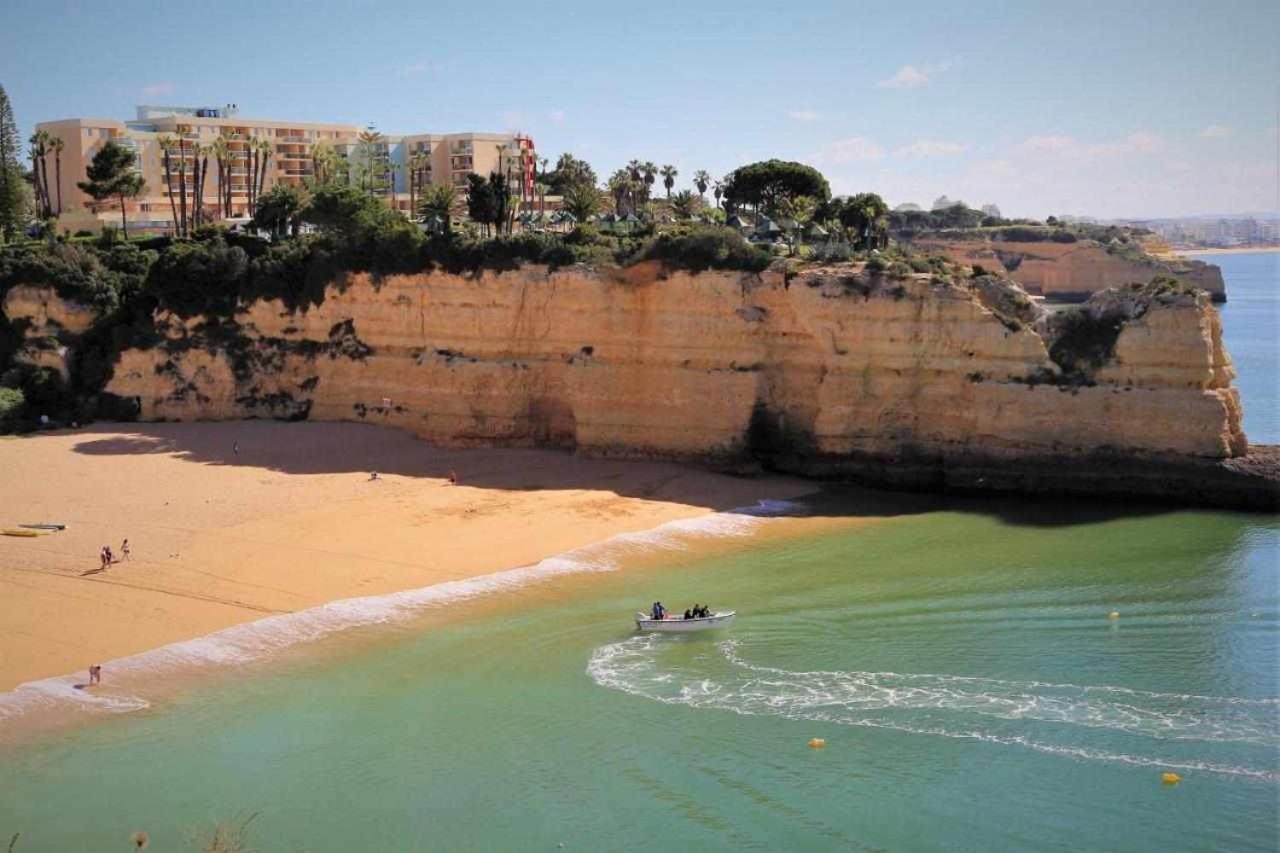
(1251, 330)
(958, 660)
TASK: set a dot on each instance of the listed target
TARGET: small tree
(702, 180)
(280, 208)
(111, 176)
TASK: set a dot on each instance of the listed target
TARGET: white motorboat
(680, 625)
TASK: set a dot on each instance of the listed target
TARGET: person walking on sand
(124, 550)
(104, 556)
(453, 478)
(235, 448)
(95, 674)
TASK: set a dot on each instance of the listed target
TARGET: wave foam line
(846, 698)
(251, 641)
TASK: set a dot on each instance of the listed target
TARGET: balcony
(292, 139)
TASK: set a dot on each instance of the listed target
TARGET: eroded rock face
(1071, 272)
(719, 367)
(47, 321)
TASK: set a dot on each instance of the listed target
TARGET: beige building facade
(290, 148)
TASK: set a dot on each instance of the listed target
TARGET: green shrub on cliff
(702, 248)
(12, 407)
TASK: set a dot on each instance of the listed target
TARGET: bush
(702, 248)
(12, 408)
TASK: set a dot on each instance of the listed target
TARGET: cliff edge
(831, 372)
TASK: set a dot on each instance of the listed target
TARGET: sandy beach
(231, 522)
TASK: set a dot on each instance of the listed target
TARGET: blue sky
(1110, 109)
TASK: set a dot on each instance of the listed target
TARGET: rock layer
(1071, 272)
(830, 373)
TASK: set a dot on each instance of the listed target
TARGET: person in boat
(693, 614)
(688, 613)
(658, 612)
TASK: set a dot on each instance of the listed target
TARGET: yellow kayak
(14, 532)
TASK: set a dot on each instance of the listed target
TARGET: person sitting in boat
(659, 612)
(688, 613)
(693, 614)
(701, 612)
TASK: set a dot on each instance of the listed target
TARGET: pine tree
(112, 176)
(13, 198)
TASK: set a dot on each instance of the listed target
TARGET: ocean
(958, 657)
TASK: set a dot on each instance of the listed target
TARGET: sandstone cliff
(1071, 272)
(830, 373)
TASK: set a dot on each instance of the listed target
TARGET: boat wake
(1047, 717)
(259, 639)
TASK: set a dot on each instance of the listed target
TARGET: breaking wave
(961, 707)
(255, 640)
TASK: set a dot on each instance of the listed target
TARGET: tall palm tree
(619, 185)
(182, 183)
(166, 143)
(650, 177)
(56, 144)
(701, 180)
(669, 178)
(202, 172)
(718, 189)
(40, 166)
(368, 142)
(222, 162)
(35, 177)
(322, 162)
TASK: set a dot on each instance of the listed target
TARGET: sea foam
(960, 707)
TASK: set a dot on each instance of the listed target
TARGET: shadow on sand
(337, 448)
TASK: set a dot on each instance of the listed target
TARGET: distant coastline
(1237, 250)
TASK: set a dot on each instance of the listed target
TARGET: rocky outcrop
(1071, 272)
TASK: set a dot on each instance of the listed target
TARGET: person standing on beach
(235, 448)
(124, 550)
(95, 674)
(104, 556)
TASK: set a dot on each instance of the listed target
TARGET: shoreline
(1243, 250)
(293, 524)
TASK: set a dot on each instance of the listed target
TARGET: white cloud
(930, 148)
(1140, 142)
(155, 90)
(804, 115)
(911, 77)
(1216, 131)
(855, 149)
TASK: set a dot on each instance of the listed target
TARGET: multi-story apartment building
(438, 158)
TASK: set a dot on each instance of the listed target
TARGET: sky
(1107, 109)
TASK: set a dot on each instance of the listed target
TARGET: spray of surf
(959, 707)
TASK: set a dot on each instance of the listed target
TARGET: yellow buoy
(1114, 614)
(817, 743)
(1170, 778)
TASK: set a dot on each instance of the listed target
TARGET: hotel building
(445, 159)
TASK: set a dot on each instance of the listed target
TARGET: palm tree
(221, 159)
(582, 200)
(684, 204)
(438, 200)
(40, 167)
(540, 193)
(57, 145)
(702, 180)
(202, 172)
(322, 162)
(166, 143)
(718, 189)
(261, 155)
(650, 177)
(620, 183)
(182, 182)
(669, 178)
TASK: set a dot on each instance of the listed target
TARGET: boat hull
(685, 626)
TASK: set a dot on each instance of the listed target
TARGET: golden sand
(230, 522)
